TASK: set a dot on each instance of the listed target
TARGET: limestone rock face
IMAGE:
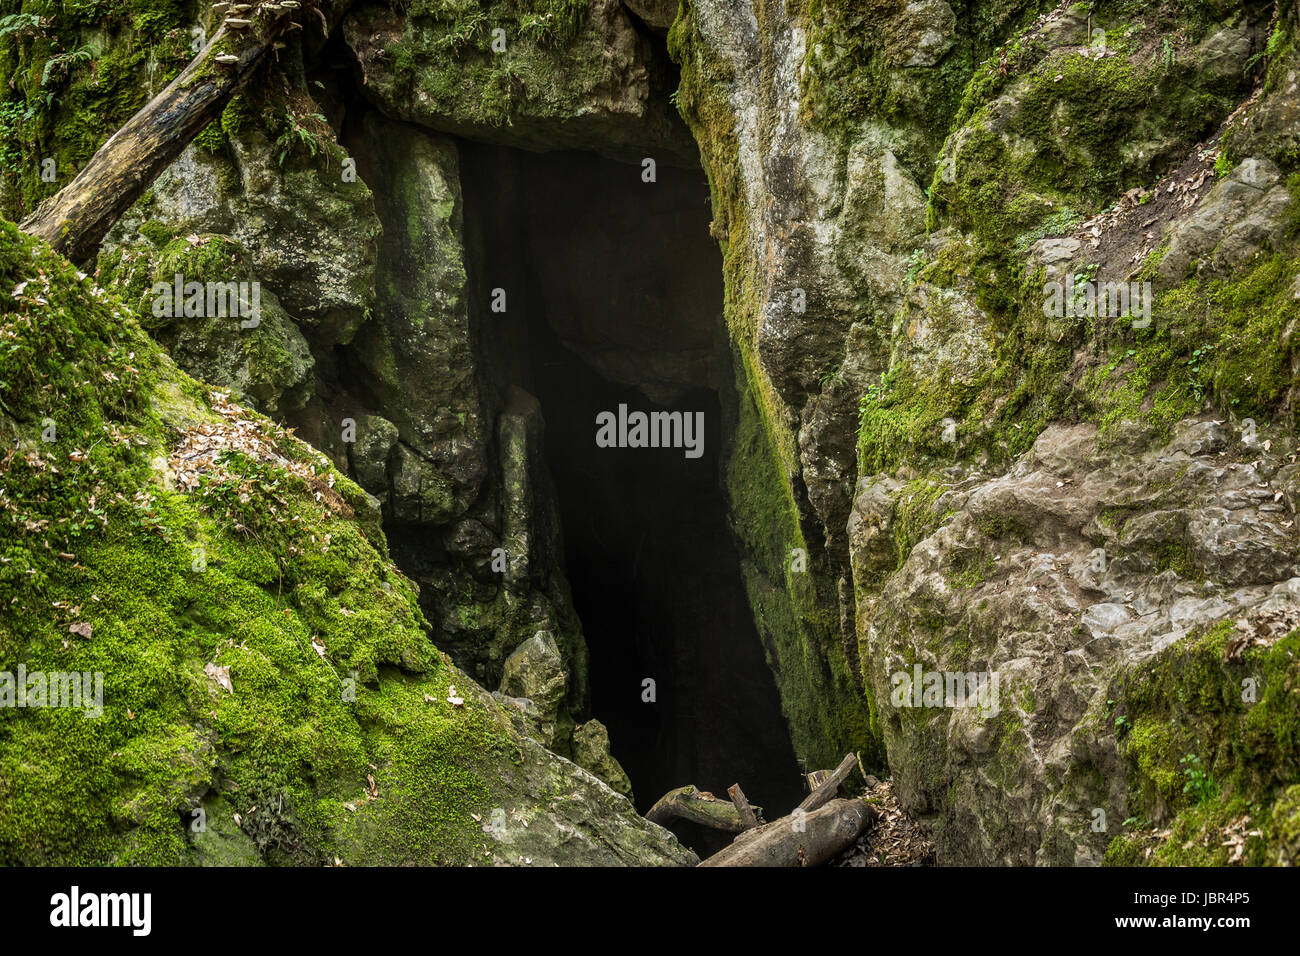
(506, 556)
(939, 466)
(308, 236)
(1077, 566)
(656, 14)
(893, 242)
(241, 217)
(369, 454)
(415, 357)
(1242, 215)
(576, 77)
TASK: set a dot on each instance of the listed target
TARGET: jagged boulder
(536, 670)
(591, 752)
(1242, 215)
(1072, 574)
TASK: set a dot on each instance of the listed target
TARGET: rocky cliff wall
(941, 453)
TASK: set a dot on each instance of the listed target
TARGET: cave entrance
(614, 298)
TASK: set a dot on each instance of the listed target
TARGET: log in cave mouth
(615, 298)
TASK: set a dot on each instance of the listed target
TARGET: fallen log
(815, 778)
(829, 786)
(697, 806)
(801, 839)
(747, 815)
(75, 219)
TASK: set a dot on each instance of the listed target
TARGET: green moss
(1215, 768)
(794, 611)
(1043, 138)
(1284, 827)
(76, 77)
(914, 515)
(903, 414)
(1174, 557)
(156, 232)
(970, 570)
(1002, 527)
(1148, 271)
(1225, 340)
(1149, 745)
(855, 71)
(212, 139)
(1078, 129)
(1007, 763)
(935, 415)
(1124, 850)
(446, 54)
(290, 594)
(1219, 833)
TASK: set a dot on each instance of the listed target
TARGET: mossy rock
(1211, 752)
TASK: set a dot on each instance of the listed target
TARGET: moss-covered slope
(269, 690)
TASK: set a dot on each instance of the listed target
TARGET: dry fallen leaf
(219, 674)
(452, 698)
(81, 629)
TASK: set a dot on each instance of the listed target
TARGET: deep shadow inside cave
(615, 297)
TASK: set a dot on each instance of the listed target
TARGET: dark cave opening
(615, 298)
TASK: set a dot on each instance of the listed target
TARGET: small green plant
(1200, 785)
(1122, 726)
(1083, 287)
(832, 376)
(1271, 49)
(914, 263)
(1201, 358)
(58, 68)
(874, 395)
(296, 135)
(21, 24)
(461, 34)
(1167, 55)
